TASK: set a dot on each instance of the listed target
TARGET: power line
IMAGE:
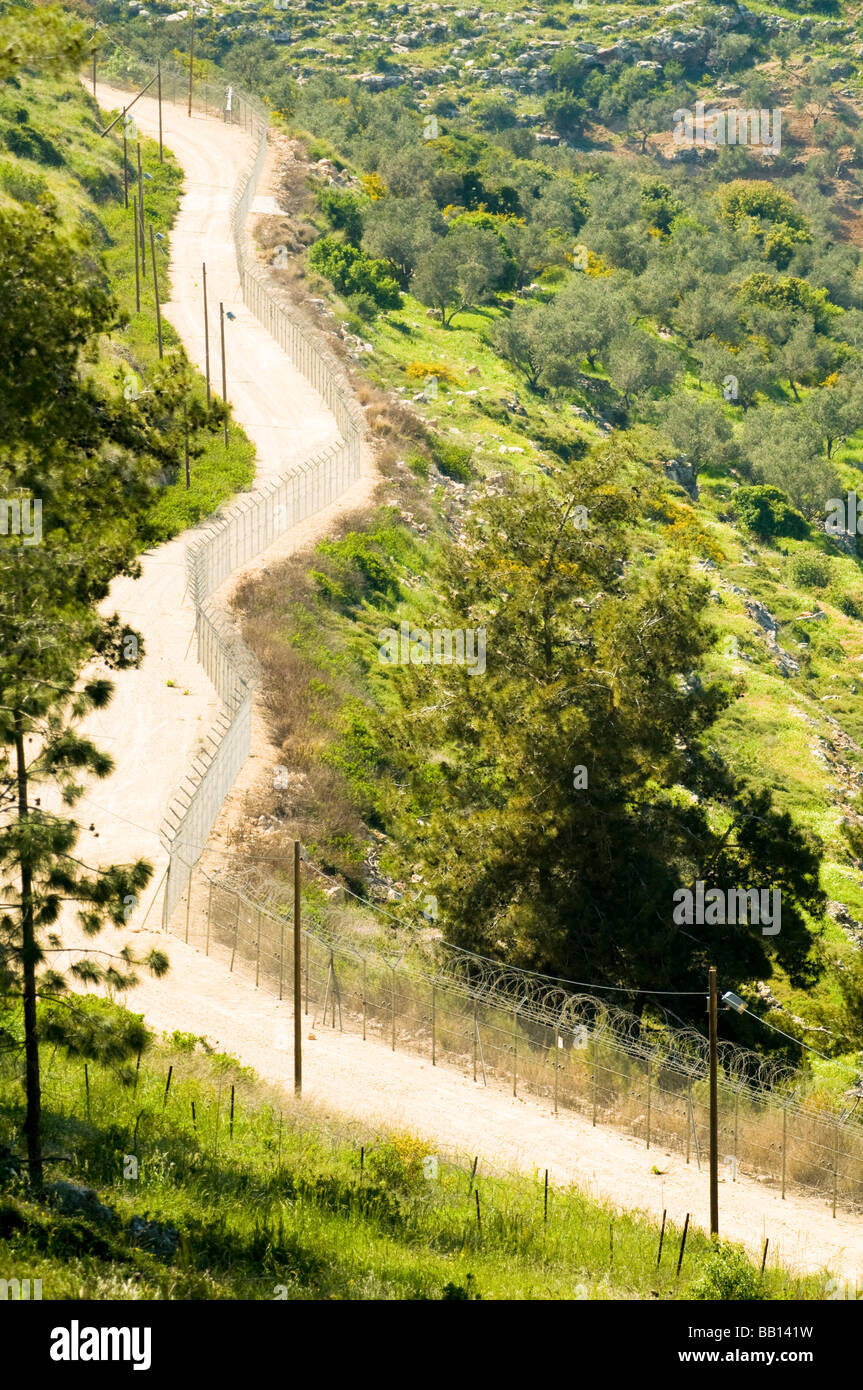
(536, 974)
(800, 1043)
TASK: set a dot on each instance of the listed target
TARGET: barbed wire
(547, 1002)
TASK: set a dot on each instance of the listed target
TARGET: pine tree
(554, 804)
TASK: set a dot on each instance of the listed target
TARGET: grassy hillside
(185, 1177)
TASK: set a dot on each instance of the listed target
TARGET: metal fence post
(282, 959)
(236, 931)
(595, 1075)
(189, 900)
(258, 960)
(209, 918)
(556, 1062)
(514, 1049)
(433, 1022)
(736, 1116)
(648, 1102)
(784, 1145)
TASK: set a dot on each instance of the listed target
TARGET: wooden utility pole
(191, 57)
(137, 258)
(206, 336)
(159, 90)
(143, 235)
(125, 165)
(298, 993)
(156, 289)
(224, 370)
(140, 181)
(714, 1108)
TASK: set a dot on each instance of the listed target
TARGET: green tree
(783, 448)
(400, 230)
(636, 362)
(528, 339)
(542, 800)
(699, 429)
(586, 314)
(87, 459)
(835, 411)
(352, 272)
(460, 270)
(41, 701)
(565, 113)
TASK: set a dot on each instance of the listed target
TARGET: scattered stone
(160, 1239)
(683, 474)
(72, 1199)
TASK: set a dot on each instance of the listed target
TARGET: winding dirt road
(153, 729)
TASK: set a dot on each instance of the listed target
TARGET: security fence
(528, 1033)
(498, 1024)
(257, 519)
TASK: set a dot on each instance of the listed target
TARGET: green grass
(276, 1205)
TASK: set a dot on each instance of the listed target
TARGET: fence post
(475, 1034)
(189, 900)
(648, 1102)
(736, 1112)
(514, 1049)
(209, 918)
(784, 1145)
(236, 931)
(364, 998)
(282, 961)
(393, 1005)
(556, 1062)
(596, 1075)
(258, 960)
(434, 1020)
(835, 1164)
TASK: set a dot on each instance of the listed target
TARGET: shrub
(850, 606)
(418, 464)
(353, 273)
(344, 212)
(28, 143)
(453, 460)
(399, 1163)
(420, 370)
(809, 570)
(767, 511)
(364, 310)
(21, 184)
(360, 569)
(100, 182)
(726, 1274)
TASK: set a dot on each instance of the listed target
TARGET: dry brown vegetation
(302, 705)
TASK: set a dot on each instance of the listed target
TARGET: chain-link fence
(509, 1028)
(256, 520)
(570, 1049)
